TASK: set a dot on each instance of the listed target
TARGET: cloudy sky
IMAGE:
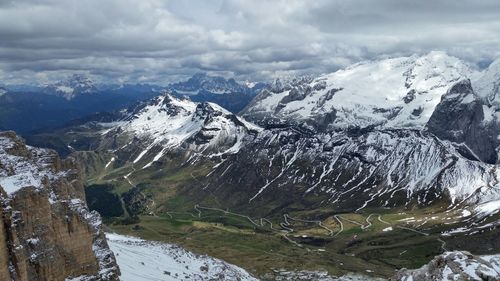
(161, 41)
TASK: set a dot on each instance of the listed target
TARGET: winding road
(287, 226)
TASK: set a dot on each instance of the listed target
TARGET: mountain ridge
(309, 179)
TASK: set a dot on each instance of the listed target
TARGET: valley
(375, 241)
(316, 183)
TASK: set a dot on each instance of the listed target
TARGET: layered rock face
(46, 230)
(462, 117)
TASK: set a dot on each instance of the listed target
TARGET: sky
(153, 41)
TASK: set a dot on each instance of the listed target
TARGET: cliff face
(46, 229)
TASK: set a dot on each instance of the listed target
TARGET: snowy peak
(3, 91)
(74, 86)
(167, 123)
(487, 84)
(396, 93)
(201, 82)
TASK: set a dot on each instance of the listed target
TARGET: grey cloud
(160, 41)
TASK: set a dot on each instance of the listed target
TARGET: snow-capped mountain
(400, 93)
(371, 129)
(3, 91)
(168, 123)
(74, 86)
(226, 92)
(202, 82)
(392, 93)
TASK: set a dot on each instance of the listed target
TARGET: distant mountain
(57, 104)
(3, 91)
(213, 84)
(71, 88)
(23, 88)
(127, 88)
(225, 92)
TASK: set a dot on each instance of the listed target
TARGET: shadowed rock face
(460, 266)
(46, 230)
(460, 118)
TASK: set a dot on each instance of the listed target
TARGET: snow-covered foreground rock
(46, 230)
(284, 275)
(455, 266)
(142, 260)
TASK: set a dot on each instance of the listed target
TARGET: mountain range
(410, 146)
(362, 128)
(28, 109)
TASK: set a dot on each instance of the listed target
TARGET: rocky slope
(382, 168)
(455, 266)
(47, 231)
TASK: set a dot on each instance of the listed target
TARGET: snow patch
(141, 260)
(488, 208)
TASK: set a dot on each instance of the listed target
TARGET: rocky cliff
(46, 229)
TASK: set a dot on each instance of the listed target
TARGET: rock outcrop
(460, 118)
(460, 266)
(46, 229)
